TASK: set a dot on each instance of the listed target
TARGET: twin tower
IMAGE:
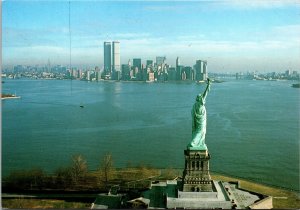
(112, 62)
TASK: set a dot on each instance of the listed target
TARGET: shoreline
(282, 198)
(234, 177)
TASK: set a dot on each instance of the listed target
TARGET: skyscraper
(177, 62)
(107, 58)
(201, 70)
(116, 63)
(160, 60)
(137, 62)
(149, 63)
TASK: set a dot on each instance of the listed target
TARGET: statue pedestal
(196, 177)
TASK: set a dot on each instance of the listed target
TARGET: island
(8, 96)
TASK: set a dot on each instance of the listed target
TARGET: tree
(106, 169)
(63, 177)
(79, 168)
(25, 179)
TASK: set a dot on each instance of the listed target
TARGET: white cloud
(280, 43)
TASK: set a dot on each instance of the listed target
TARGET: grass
(42, 204)
(282, 199)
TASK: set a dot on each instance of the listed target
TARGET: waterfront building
(171, 74)
(179, 70)
(189, 73)
(177, 62)
(137, 63)
(295, 73)
(88, 75)
(48, 66)
(125, 72)
(160, 60)
(183, 75)
(116, 62)
(151, 77)
(107, 58)
(79, 74)
(149, 63)
(200, 70)
(137, 66)
(143, 73)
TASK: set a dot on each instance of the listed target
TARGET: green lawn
(42, 204)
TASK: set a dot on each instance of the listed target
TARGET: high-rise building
(107, 58)
(125, 72)
(116, 63)
(188, 72)
(172, 74)
(179, 70)
(149, 63)
(160, 60)
(177, 62)
(137, 62)
(201, 70)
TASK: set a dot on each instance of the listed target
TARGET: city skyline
(231, 36)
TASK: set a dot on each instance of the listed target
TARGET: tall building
(125, 72)
(107, 58)
(160, 60)
(149, 63)
(137, 62)
(116, 63)
(179, 71)
(171, 74)
(188, 72)
(177, 62)
(201, 70)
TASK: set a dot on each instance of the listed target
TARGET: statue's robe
(198, 125)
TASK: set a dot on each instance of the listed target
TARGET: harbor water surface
(252, 127)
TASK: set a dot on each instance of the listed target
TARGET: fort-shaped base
(196, 177)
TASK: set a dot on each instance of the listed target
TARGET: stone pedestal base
(196, 177)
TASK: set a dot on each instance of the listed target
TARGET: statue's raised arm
(199, 121)
(207, 89)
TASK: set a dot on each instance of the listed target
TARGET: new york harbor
(155, 104)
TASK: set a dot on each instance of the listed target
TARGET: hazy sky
(231, 35)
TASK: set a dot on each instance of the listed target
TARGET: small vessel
(81, 106)
(297, 85)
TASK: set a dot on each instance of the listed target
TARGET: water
(252, 128)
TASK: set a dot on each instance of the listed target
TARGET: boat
(297, 85)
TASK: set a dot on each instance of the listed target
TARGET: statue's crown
(199, 97)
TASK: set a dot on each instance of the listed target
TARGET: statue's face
(199, 98)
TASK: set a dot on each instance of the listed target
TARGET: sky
(233, 36)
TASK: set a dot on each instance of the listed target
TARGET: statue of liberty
(199, 121)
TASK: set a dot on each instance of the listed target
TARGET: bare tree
(79, 168)
(106, 169)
